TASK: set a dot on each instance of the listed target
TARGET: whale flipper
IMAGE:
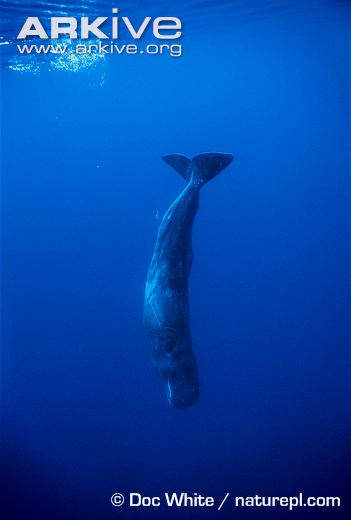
(181, 163)
(208, 165)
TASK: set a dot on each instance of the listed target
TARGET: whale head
(182, 385)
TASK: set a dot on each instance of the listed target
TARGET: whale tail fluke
(181, 163)
(202, 168)
(207, 165)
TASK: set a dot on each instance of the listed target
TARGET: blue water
(84, 411)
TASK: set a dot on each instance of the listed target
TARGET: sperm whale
(166, 303)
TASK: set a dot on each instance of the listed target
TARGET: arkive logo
(163, 28)
(103, 35)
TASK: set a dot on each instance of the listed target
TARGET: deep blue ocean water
(84, 411)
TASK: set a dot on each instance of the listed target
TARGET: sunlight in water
(69, 62)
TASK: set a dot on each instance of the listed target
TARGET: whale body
(166, 303)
